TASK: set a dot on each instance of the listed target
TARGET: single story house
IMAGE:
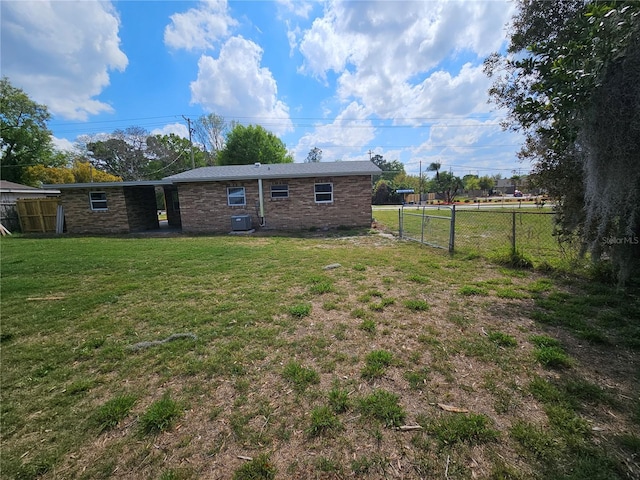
(283, 196)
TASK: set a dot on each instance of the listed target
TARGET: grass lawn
(245, 358)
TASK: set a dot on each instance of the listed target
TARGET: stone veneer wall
(81, 219)
(203, 205)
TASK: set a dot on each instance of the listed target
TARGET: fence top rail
(503, 211)
(427, 216)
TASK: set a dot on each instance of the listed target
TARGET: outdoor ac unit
(241, 222)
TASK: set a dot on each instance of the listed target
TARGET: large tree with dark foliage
(571, 83)
(25, 139)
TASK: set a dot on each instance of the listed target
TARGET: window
(279, 191)
(235, 196)
(324, 192)
(98, 200)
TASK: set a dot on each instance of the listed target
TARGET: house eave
(98, 185)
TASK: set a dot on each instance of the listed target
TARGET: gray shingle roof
(276, 170)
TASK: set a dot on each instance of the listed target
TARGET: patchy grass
(308, 371)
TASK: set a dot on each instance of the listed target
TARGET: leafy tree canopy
(389, 168)
(571, 84)
(81, 171)
(247, 145)
(133, 154)
(24, 137)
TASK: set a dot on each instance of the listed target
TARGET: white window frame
(320, 194)
(236, 195)
(95, 202)
(280, 191)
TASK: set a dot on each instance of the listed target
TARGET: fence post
(513, 233)
(452, 229)
(422, 229)
(400, 222)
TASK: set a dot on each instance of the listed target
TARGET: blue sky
(396, 78)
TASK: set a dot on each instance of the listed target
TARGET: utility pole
(193, 162)
(370, 153)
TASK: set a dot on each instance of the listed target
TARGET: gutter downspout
(261, 198)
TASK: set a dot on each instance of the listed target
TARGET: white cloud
(385, 53)
(299, 8)
(179, 129)
(63, 145)
(235, 86)
(350, 130)
(199, 28)
(61, 53)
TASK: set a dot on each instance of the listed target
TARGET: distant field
(353, 356)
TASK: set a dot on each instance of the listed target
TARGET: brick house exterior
(107, 208)
(289, 200)
(289, 196)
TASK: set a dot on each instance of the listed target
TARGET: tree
(123, 154)
(389, 168)
(170, 154)
(486, 183)
(435, 167)
(471, 182)
(314, 156)
(24, 137)
(447, 185)
(80, 171)
(384, 193)
(570, 83)
(210, 131)
(252, 144)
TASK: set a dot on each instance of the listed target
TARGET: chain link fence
(484, 231)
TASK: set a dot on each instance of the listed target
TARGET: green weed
(416, 305)
(384, 407)
(259, 468)
(112, 412)
(300, 376)
(160, 415)
(339, 400)
(502, 339)
(469, 428)
(300, 310)
(323, 422)
(376, 363)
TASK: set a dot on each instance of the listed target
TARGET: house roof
(11, 187)
(98, 185)
(276, 170)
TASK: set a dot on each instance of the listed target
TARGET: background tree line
(445, 185)
(28, 155)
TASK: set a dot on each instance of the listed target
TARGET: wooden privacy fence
(37, 215)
